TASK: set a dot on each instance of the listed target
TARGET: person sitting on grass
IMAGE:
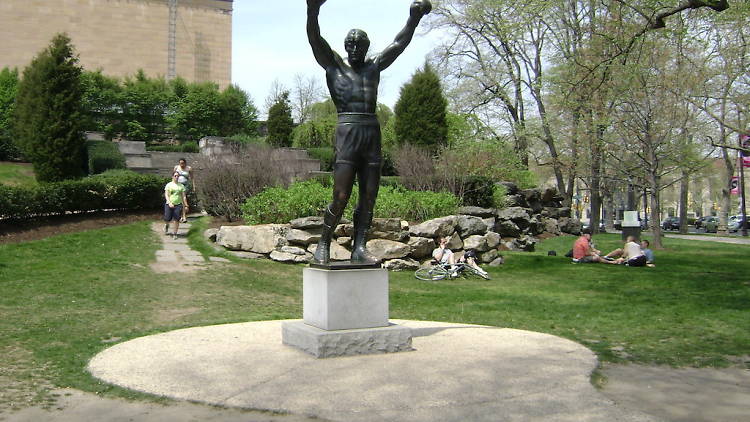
(584, 253)
(176, 200)
(630, 254)
(648, 252)
(445, 256)
(470, 259)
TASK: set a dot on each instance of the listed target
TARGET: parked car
(711, 224)
(671, 223)
(735, 224)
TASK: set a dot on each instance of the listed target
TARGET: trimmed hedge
(103, 156)
(115, 189)
(308, 198)
(190, 146)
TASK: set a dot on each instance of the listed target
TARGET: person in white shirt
(630, 254)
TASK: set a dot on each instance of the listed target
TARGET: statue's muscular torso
(354, 91)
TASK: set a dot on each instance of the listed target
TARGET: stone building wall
(121, 36)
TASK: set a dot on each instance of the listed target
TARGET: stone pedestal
(345, 299)
(326, 344)
(345, 312)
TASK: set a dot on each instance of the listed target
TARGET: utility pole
(172, 46)
(743, 139)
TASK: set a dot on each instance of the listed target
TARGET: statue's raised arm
(323, 53)
(418, 9)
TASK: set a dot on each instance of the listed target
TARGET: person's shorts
(358, 140)
(638, 261)
(588, 259)
(172, 213)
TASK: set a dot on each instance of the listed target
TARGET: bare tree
(307, 90)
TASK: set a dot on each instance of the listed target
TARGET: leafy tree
(280, 123)
(102, 100)
(48, 113)
(237, 113)
(197, 113)
(420, 111)
(8, 88)
(145, 103)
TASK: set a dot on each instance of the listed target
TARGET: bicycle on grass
(438, 271)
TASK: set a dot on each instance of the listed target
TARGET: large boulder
(516, 201)
(388, 228)
(533, 198)
(526, 243)
(518, 215)
(477, 243)
(386, 225)
(262, 238)
(338, 252)
(551, 197)
(493, 239)
(570, 225)
(344, 229)
(455, 242)
(468, 225)
(489, 256)
(477, 211)
(437, 227)
(535, 226)
(497, 261)
(551, 226)
(551, 212)
(287, 256)
(401, 265)
(388, 249)
(421, 247)
(507, 228)
(305, 223)
(303, 237)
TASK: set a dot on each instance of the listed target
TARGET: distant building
(187, 38)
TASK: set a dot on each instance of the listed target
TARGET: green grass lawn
(65, 298)
(16, 174)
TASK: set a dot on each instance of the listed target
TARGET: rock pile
(405, 247)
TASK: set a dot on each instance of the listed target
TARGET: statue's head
(356, 44)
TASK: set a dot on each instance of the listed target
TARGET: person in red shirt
(583, 251)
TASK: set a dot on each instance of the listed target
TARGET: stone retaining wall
(401, 246)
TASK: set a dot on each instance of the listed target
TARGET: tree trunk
(596, 171)
(684, 186)
(609, 220)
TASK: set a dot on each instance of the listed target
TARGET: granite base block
(363, 341)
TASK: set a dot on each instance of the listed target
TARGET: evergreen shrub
(103, 156)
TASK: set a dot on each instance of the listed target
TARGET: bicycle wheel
(431, 273)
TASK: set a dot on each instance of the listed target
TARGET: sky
(269, 42)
